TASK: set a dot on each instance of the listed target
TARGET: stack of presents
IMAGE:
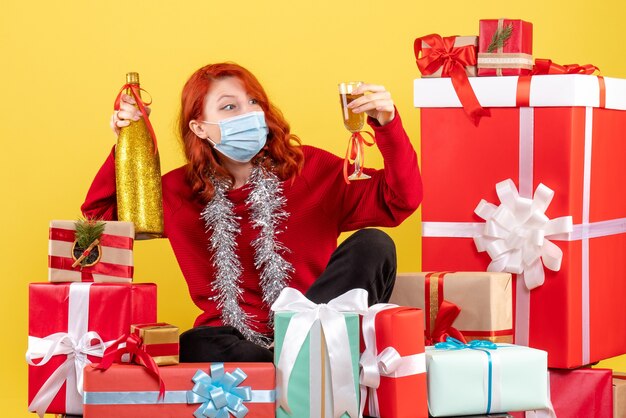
(524, 241)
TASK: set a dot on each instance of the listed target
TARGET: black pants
(366, 260)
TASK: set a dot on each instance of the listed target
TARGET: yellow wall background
(62, 63)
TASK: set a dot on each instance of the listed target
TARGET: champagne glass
(353, 123)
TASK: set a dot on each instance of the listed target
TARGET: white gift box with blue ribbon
(482, 377)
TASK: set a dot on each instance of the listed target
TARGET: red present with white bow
(112, 256)
(393, 363)
(534, 190)
(69, 326)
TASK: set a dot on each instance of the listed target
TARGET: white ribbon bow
(62, 343)
(516, 233)
(337, 343)
(388, 363)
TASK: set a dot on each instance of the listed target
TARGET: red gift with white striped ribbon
(114, 263)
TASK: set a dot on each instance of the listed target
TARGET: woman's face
(226, 98)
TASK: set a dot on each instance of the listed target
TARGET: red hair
(281, 154)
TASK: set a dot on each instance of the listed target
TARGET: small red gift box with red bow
(451, 57)
(434, 53)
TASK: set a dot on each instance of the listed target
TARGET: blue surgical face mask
(243, 136)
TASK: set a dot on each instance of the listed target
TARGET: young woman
(254, 211)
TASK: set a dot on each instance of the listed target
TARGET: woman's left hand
(378, 103)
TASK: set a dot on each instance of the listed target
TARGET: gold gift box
(159, 340)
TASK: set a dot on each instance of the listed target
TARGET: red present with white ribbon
(558, 224)
(69, 326)
(393, 363)
(114, 261)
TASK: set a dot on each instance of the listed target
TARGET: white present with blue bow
(482, 377)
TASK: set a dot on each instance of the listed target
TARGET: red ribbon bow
(448, 312)
(355, 149)
(547, 67)
(452, 61)
(114, 354)
(135, 92)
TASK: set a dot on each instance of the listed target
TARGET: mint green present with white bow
(316, 354)
(482, 377)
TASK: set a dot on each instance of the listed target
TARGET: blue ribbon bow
(452, 343)
(219, 393)
(481, 345)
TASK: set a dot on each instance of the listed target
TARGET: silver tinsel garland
(266, 202)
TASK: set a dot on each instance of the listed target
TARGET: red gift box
(130, 391)
(394, 360)
(69, 326)
(574, 148)
(112, 256)
(582, 392)
(514, 56)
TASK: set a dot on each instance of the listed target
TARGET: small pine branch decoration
(500, 37)
(87, 231)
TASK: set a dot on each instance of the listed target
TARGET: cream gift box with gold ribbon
(484, 301)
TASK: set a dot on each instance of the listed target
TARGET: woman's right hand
(127, 113)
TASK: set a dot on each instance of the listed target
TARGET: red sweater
(320, 207)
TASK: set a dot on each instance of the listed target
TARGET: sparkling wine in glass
(353, 123)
